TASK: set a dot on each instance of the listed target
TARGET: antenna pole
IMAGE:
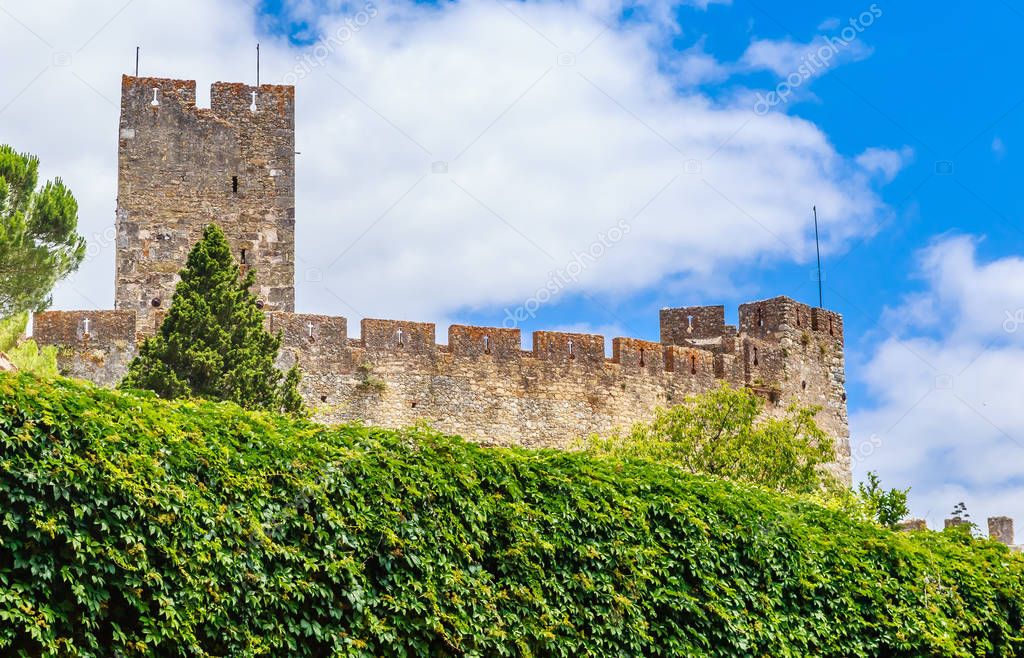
(817, 247)
(137, 61)
(257, 65)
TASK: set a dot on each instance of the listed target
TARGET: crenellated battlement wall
(92, 345)
(483, 385)
(181, 167)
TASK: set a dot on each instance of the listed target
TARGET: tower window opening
(641, 357)
(831, 330)
(243, 257)
(401, 337)
(487, 344)
(693, 364)
(234, 184)
(760, 317)
(572, 350)
(755, 356)
(689, 323)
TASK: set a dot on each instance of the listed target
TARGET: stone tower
(181, 167)
(784, 350)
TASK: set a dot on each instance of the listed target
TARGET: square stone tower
(181, 168)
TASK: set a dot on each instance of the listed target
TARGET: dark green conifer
(213, 343)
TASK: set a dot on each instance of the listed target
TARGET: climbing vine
(133, 526)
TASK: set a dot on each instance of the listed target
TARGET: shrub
(724, 432)
(23, 352)
(135, 526)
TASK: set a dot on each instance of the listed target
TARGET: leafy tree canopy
(213, 343)
(723, 433)
(886, 507)
(39, 243)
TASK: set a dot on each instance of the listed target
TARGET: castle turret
(794, 352)
(181, 167)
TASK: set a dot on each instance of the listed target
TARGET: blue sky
(455, 154)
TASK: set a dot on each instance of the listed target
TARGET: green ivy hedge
(132, 526)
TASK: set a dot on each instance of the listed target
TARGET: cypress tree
(213, 343)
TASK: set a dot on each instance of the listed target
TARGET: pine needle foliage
(213, 343)
(39, 241)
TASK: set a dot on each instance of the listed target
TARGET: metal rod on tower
(137, 48)
(257, 65)
(817, 247)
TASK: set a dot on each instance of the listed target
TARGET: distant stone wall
(92, 345)
(485, 387)
(1000, 528)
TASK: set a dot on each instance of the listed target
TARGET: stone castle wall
(92, 345)
(181, 167)
(485, 387)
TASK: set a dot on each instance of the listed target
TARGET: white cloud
(785, 57)
(945, 388)
(696, 66)
(555, 124)
(886, 163)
